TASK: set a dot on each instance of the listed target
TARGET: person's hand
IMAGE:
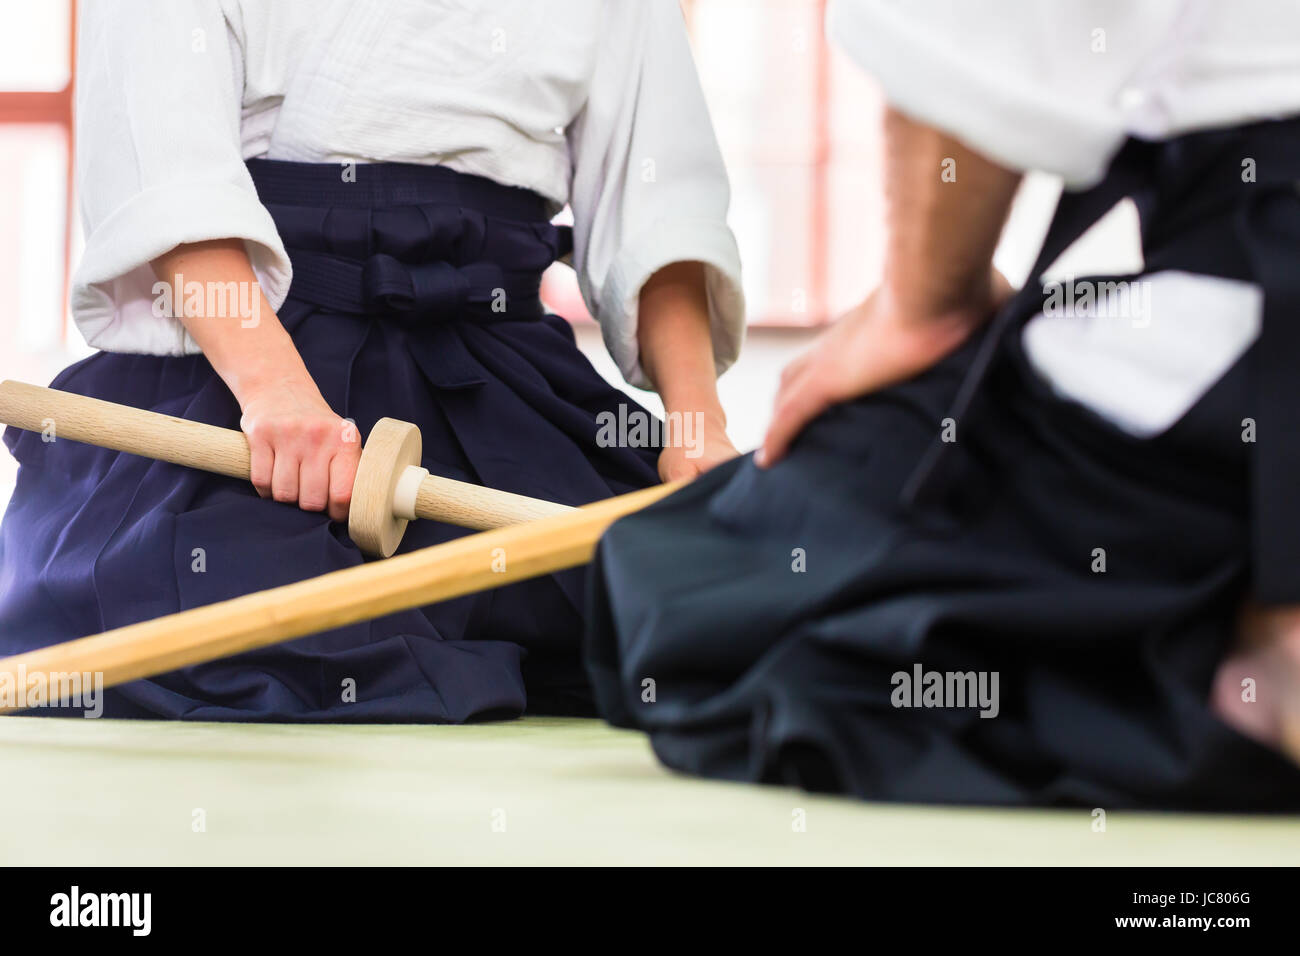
(301, 450)
(1266, 655)
(879, 343)
(700, 447)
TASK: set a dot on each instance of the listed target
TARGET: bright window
(799, 130)
(35, 143)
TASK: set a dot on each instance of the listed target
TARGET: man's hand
(875, 345)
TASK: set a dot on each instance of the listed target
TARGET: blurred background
(799, 128)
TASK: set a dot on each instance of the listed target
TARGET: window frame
(52, 108)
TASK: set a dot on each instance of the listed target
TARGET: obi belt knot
(420, 264)
(437, 289)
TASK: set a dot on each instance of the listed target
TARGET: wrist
(258, 375)
(700, 400)
(966, 301)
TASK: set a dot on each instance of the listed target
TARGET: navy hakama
(755, 624)
(400, 279)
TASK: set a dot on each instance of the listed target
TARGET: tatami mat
(525, 792)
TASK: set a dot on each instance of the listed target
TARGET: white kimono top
(595, 104)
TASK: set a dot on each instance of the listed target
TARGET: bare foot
(1257, 688)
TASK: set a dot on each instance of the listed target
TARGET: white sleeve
(159, 163)
(649, 187)
(1030, 84)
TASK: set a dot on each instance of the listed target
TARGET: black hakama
(782, 625)
(395, 279)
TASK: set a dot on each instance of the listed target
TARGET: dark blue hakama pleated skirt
(759, 625)
(391, 307)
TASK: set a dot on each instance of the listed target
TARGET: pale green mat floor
(530, 791)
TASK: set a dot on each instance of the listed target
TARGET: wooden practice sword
(390, 487)
(476, 562)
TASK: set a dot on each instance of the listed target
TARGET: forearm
(945, 208)
(675, 341)
(243, 339)
(300, 450)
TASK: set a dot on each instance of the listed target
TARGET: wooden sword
(474, 563)
(391, 488)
